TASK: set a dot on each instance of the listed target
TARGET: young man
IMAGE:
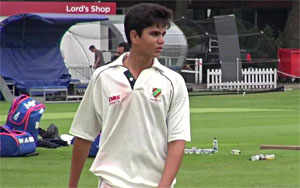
(141, 107)
(99, 60)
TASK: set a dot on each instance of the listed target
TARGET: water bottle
(215, 144)
(186, 151)
(194, 149)
(254, 158)
(270, 157)
(208, 151)
(235, 152)
(267, 157)
(262, 157)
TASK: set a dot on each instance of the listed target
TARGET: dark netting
(257, 50)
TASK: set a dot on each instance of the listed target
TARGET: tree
(180, 8)
(291, 37)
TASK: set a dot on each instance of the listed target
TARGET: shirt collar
(119, 62)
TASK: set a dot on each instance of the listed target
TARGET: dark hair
(92, 47)
(145, 15)
(124, 45)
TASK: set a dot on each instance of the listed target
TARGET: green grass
(239, 122)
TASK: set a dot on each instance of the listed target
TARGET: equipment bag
(25, 114)
(15, 143)
(95, 146)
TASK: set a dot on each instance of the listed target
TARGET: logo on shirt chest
(156, 94)
(114, 99)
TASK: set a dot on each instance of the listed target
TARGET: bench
(11, 85)
(77, 87)
(80, 88)
(49, 93)
(75, 98)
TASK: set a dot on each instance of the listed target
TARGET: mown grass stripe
(49, 116)
(65, 115)
(223, 110)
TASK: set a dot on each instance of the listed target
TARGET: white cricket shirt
(137, 118)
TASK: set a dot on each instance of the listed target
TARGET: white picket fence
(197, 71)
(252, 79)
(80, 72)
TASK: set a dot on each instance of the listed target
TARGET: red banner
(17, 7)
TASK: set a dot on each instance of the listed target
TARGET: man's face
(93, 50)
(120, 50)
(152, 41)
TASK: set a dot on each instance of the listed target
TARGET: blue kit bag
(25, 114)
(14, 143)
(95, 147)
